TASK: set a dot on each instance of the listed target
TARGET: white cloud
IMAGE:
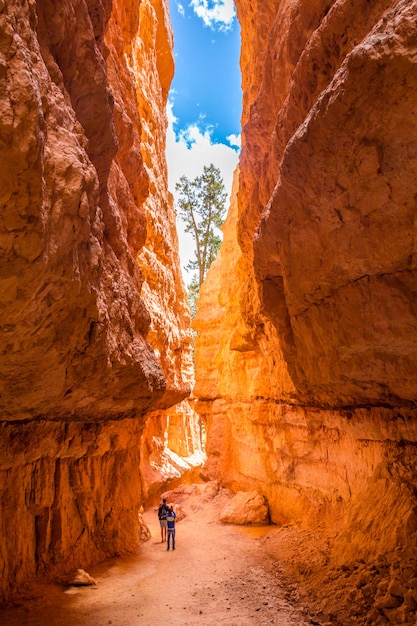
(187, 154)
(216, 14)
(180, 8)
(234, 140)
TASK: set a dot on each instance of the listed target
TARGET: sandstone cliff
(308, 316)
(94, 317)
(171, 443)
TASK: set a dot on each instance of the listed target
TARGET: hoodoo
(306, 348)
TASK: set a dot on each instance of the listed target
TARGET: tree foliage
(201, 207)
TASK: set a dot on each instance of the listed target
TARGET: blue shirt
(171, 520)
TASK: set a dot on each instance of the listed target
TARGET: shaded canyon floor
(218, 574)
(215, 576)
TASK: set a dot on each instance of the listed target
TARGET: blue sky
(206, 85)
(205, 100)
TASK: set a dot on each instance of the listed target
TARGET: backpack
(162, 511)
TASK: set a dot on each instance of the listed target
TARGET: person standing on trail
(162, 516)
(171, 515)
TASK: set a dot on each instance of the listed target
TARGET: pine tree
(201, 206)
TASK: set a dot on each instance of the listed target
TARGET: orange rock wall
(171, 442)
(342, 212)
(308, 316)
(69, 280)
(88, 359)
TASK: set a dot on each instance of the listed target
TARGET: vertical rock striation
(351, 325)
(86, 238)
(308, 316)
(69, 280)
(171, 443)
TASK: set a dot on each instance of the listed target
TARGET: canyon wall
(95, 325)
(171, 442)
(308, 318)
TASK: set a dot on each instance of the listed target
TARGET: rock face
(171, 443)
(308, 317)
(87, 238)
(246, 509)
(69, 280)
(344, 227)
(306, 353)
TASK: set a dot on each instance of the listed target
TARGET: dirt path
(215, 576)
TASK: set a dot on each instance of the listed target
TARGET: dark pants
(171, 534)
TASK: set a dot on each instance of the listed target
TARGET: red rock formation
(308, 316)
(246, 509)
(70, 282)
(70, 496)
(344, 226)
(171, 443)
(307, 327)
(85, 356)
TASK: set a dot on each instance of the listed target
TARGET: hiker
(162, 513)
(171, 515)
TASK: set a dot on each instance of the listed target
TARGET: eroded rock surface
(342, 213)
(246, 509)
(308, 317)
(95, 325)
(73, 323)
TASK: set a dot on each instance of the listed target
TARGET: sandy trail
(217, 575)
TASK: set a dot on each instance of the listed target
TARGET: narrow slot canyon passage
(218, 574)
(282, 419)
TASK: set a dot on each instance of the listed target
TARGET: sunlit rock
(81, 579)
(341, 217)
(172, 446)
(246, 509)
(144, 532)
(95, 337)
(305, 355)
(74, 323)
